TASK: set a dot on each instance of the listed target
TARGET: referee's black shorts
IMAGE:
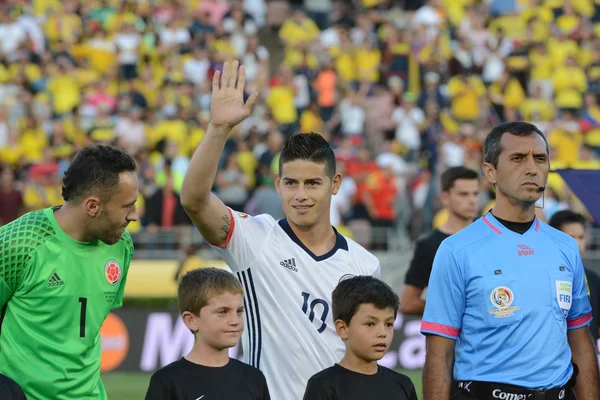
(473, 390)
(495, 391)
(458, 395)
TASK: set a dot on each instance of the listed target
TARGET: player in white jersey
(290, 267)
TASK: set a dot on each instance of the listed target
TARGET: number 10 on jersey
(308, 304)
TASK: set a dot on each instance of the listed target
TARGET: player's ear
(444, 197)
(489, 171)
(93, 205)
(342, 329)
(336, 182)
(190, 321)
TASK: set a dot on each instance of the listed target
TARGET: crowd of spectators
(402, 89)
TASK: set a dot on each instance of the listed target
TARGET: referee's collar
(340, 243)
(497, 227)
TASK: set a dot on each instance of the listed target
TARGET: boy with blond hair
(211, 302)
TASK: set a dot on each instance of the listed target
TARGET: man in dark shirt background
(460, 196)
(574, 225)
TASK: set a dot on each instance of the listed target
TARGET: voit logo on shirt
(502, 298)
(525, 250)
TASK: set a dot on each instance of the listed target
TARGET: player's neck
(69, 221)
(319, 238)
(513, 212)
(454, 224)
(356, 364)
(208, 356)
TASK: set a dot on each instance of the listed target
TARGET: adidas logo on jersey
(55, 281)
(289, 264)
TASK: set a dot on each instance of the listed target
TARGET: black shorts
(569, 395)
(10, 390)
(498, 391)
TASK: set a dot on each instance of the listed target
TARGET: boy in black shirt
(211, 302)
(364, 310)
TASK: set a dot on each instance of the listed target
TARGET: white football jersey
(289, 332)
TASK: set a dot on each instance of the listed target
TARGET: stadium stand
(402, 89)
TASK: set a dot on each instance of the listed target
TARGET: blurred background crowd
(403, 89)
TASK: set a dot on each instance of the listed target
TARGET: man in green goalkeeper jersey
(62, 270)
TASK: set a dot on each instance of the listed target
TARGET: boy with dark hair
(211, 302)
(364, 310)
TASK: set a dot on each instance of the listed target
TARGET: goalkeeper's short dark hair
(95, 171)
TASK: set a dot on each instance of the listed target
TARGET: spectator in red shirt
(359, 170)
(380, 200)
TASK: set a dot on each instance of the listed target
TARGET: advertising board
(146, 340)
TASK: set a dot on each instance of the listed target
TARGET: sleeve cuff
(576, 323)
(439, 329)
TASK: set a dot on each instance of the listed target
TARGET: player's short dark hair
(198, 286)
(308, 146)
(492, 147)
(96, 169)
(350, 293)
(453, 174)
(564, 217)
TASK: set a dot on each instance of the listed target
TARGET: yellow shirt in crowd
(174, 130)
(293, 32)
(33, 142)
(281, 103)
(537, 110)
(541, 65)
(65, 93)
(566, 145)
(513, 94)
(38, 197)
(569, 85)
(367, 64)
(465, 97)
(310, 122)
(11, 154)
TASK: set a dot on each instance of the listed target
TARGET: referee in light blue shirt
(507, 309)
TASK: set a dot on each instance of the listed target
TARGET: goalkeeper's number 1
(83, 301)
